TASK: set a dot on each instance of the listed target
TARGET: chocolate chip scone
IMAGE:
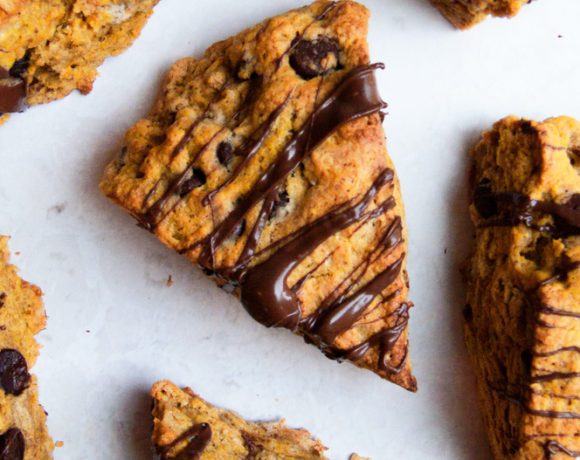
(466, 13)
(522, 318)
(265, 163)
(23, 433)
(48, 48)
(185, 426)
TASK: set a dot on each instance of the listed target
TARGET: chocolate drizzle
(357, 96)
(197, 437)
(552, 448)
(264, 290)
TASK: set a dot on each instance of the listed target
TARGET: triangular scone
(464, 14)
(522, 318)
(265, 163)
(23, 433)
(185, 426)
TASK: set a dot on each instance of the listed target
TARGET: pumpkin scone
(23, 433)
(265, 163)
(464, 14)
(185, 426)
(48, 48)
(522, 317)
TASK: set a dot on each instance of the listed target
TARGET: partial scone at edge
(523, 298)
(51, 47)
(183, 422)
(464, 14)
(265, 163)
(23, 432)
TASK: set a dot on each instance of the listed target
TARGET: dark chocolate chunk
(484, 201)
(14, 376)
(240, 229)
(283, 200)
(2, 299)
(527, 127)
(12, 445)
(307, 55)
(224, 152)
(467, 313)
(196, 180)
(12, 95)
(573, 202)
(19, 68)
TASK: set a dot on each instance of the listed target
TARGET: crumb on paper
(169, 281)
(59, 444)
(559, 36)
(17, 253)
(87, 331)
(445, 251)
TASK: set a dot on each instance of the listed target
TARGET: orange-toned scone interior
(522, 318)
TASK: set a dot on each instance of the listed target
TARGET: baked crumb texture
(48, 48)
(464, 14)
(265, 163)
(522, 316)
(186, 426)
(23, 433)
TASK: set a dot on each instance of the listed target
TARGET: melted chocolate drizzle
(197, 437)
(357, 96)
(552, 448)
(264, 290)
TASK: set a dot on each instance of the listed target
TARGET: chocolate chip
(2, 299)
(196, 180)
(484, 201)
(573, 202)
(468, 313)
(14, 376)
(240, 229)
(224, 152)
(307, 55)
(527, 128)
(12, 445)
(19, 68)
(283, 200)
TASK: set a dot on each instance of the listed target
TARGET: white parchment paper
(115, 326)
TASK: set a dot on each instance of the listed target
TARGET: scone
(187, 427)
(522, 317)
(466, 13)
(23, 433)
(48, 48)
(264, 162)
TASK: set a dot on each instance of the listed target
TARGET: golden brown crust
(522, 313)
(204, 96)
(464, 14)
(21, 317)
(176, 411)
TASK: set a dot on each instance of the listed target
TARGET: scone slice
(185, 427)
(464, 14)
(51, 47)
(522, 318)
(264, 162)
(23, 433)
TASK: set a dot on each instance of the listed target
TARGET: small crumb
(17, 253)
(59, 443)
(559, 36)
(87, 331)
(56, 209)
(445, 251)
(169, 281)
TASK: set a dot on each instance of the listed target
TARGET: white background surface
(115, 327)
